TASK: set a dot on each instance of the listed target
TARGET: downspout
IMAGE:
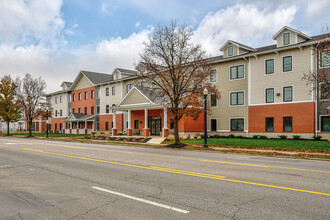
(248, 91)
(315, 96)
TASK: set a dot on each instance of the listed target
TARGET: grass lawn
(50, 135)
(305, 145)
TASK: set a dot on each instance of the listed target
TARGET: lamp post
(47, 123)
(205, 92)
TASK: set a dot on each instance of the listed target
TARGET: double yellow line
(183, 172)
(184, 158)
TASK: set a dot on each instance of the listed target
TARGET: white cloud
(243, 23)
(24, 21)
(71, 31)
(109, 7)
(318, 8)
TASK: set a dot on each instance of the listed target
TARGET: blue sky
(55, 39)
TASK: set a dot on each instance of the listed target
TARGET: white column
(124, 120)
(114, 120)
(129, 119)
(165, 117)
(145, 118)
(85, 124)
(93, 127)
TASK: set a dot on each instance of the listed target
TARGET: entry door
(155, 125)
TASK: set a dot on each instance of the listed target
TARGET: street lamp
(47, 123)
(205, 92)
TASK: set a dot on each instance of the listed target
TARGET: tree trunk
(30, 127)
(7, 128)
(176, 130)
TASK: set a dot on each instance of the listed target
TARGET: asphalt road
(42, 179)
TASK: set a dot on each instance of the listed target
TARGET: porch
(78, 123)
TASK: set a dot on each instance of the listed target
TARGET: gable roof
(97, 78)
(293, 30)
(78, 117)
(126, 71)
(237, 44)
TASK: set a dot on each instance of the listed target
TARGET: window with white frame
(287, 63)
(270, 95)
(113, 90)
(86, 95)
(237, 124)
(287, 94)
(128, 87)
(214, 124)
(286, 38)
(230, 51)
(56, 100)
(237, 72)
(213, 100)
(79, 96)
(92, 94)
(60, 99)
(325, 123)
(325, 90)
(325, 58)
(236, 98)
(269, 64)
(213, 75)
(107, 91)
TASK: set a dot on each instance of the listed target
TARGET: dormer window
(230, 51)
(286, 38)
(117, 75)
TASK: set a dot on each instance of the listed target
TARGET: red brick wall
(42, 123)
(303, 117)
(83, 103)
(57, 121)
(109, 118)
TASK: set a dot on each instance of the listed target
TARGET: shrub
(101, 133)
(283, 136)
(296, 137)
(317, 137)
(170, 137)
(184, 137)
(263, 137)
(231, 136)
(255, 136)
(240, 136)
(216, 136)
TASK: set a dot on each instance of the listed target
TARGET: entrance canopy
(79, 117)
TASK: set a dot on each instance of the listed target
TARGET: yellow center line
(204, 175)
(184, 158)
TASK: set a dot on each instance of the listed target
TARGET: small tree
(31, 94)
(9, 105)
(178, 68)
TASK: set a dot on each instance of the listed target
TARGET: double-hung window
(107, 109)
(325, 58)
(230, 51)
(107, 91)
(237, 124)
(270, 95)
(92, 94)
(325, 123)
(269, 64)
(325, 90)
(61, 112)
(56, 100)
(287, 63)
(113, 90)
(128, 87)
(287, 94)
(213, 101)
(85, 110)
(286, 38)
(73, 97)
(85, 95)
(79, 96)
(287, 124)
(237, 98)
(60, 99)
(213, 75)
(237, 72)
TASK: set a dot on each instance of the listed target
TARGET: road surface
(42, 179)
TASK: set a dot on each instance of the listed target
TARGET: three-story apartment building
(262, 92)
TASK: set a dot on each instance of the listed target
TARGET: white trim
(269, 74)
(236, 118)
(290, 29)
(265, 93)
(236, 92)
(292, 93)
(216, 106)
(320, 63)
(279, 103)
(296, 38)
(319, 128)
(211, 124)
(228, 51)
(232, 42)
(216, 75)
(249, 82)
(130, 91)
(283, 63)
(237, 72)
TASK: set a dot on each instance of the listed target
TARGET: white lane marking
(5, 166)
(142, 200)
(18, 143)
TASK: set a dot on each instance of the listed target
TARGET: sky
(55, 39)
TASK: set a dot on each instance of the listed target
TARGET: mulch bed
(122, 139)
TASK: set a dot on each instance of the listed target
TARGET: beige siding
(300, 39)
(301, 63)
(60, 106)
(109, 100)
(83, 83)
(223, 112)
(280, 38)
(241, 51)
(235, 51)
(135, 97)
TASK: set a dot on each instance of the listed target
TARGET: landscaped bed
(277, 144)
(121, 139)
(49, 135)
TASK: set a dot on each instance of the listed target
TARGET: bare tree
(9, 105)
(179, 69)
(319, 79)
(31, 94)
